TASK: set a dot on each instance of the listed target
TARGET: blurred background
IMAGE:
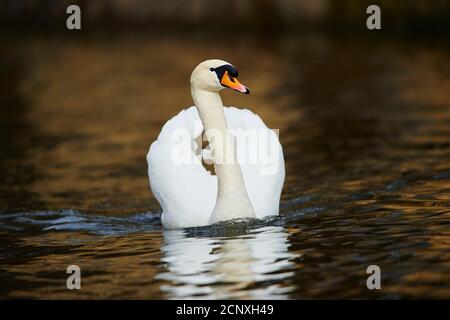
(363, 116)
(285, 15)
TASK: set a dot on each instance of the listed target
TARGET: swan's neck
(232, 198)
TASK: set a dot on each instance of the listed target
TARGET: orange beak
(233, 83)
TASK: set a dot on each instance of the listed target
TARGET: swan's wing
(187, 192)
(184, 189)
(260, 156)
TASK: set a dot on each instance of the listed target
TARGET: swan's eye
(232, 71)
(212, 69)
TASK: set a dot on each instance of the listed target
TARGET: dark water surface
(365, 127)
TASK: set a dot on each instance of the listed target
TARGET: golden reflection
(364, 128)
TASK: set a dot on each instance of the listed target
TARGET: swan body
(246, 184)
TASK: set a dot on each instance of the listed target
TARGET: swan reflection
(242, 267)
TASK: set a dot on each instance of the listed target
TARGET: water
(365, 126)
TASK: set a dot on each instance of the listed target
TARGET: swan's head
(214, 75)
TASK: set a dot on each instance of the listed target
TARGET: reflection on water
(239, 266)
(365, 128)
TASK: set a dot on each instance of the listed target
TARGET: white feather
(187, 192)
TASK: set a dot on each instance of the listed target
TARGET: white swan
(249, 171)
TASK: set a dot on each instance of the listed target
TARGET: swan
(246, 155)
